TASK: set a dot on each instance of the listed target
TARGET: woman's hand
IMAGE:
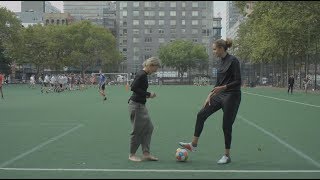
(207, 101)
(219, 89)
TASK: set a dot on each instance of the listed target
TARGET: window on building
(149, 22)
(148, 49)
(161, 13)
(183, 22)
(161, 31)
(122, 5)
(149, 4)
(195, 13)
(173, 22)
(195, 22)
(161, 22)
(136, 40)
(195, 31)
(148, 31)
(148, 39)
(135, 22)
(183, 4)
(135, 4)
(173, 4)
(195, 4)
(125, 31)
(161, 40)
(149, 13)
(135, 13)
(172, 31)
(147, 56)
(135, 31)
(183, 13)
(124, 13)
(172, 13)
(161, 4)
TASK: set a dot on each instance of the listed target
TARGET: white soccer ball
(181, 155)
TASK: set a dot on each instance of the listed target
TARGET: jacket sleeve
(235, 66)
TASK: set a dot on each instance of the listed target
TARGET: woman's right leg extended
(203, 114)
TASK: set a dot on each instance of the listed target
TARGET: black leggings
(229, 102)
(290, 87)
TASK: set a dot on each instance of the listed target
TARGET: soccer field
(77, 135)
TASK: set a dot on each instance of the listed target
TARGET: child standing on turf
(140, 120)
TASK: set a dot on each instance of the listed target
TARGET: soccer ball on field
(181, 155)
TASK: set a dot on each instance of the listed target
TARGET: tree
(279, 32)
(183, 55)
(90, 44)
(9, 37)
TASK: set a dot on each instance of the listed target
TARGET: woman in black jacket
(226, 95)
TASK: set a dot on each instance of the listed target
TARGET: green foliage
(90, 44)
(183, 55)
(278, 29)
(79, 45)
(9, 37)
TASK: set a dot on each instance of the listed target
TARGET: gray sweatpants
(142, 127)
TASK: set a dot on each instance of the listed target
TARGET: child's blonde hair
(152, 61)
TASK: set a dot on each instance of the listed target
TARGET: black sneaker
(105, 98)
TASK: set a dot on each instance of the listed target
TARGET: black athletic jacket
(139, 87)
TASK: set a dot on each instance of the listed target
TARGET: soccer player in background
(226, 95)
(102, 85)
(290, 83)
(32, 81)
(142, 126)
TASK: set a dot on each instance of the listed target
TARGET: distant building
(233, 16)
(30, 18)
(32, 12)
(143, 26)
(57, 18)
(101, 13)
(38, 6)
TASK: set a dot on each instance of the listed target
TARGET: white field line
(306, 104)
(301, 154)
(39, 146)
(163, 170)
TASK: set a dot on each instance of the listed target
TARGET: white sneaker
(224, 160)
(188, 146)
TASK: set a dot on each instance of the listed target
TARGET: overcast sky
(219, 6)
